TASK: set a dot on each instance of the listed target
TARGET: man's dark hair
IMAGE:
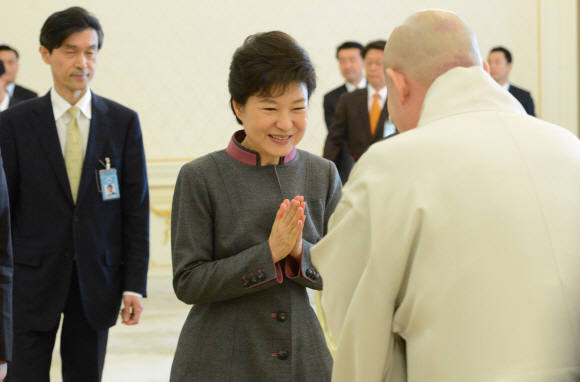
(508, 55)
(2, 69)
(60, 25)
(379, 44)
(349, 45)
(266, 65)
(6, 47)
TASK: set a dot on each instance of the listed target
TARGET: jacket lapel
(97, 138)
(45, 129)
(380, 131)
(364, 118)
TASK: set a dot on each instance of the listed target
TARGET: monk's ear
(400, 83)
(486, 66)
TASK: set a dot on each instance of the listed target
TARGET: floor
(143, 352)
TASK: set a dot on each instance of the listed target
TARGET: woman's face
(274, 125)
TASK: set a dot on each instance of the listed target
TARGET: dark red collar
(247, 156)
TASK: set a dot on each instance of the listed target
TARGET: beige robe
(454, 254)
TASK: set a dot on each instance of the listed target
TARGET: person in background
(75, 255)
(453, 253)
(350, 62)
(242, 225)
(500, 66)
(9, 56)
(4, 96)
(6, 273)
(361, 116)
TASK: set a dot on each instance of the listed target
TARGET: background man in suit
(9, 56)
(453, 253)
(350, 62)
(500, 66)
(75, 253)
(4, 96)
(5, 278)
(360, 116)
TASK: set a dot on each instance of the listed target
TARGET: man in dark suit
(350, 62)
(5, 100)
(5, 278)
(351, 126)
(76, 253)
(9, 56)
(500, 66)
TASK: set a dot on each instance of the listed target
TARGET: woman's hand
(296, 251)
(287, 229)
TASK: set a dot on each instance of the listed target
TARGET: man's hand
(3, 370)
(132, 310)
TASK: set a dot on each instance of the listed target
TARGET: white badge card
(109, 184)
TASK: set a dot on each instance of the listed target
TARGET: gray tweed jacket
(250, 321)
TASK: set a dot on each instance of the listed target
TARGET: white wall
(169, 61)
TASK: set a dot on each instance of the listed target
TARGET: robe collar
(247, 156)
(465, 90)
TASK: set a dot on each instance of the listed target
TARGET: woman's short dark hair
(60, 25)
(268, 63)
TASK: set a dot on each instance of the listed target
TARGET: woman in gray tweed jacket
(244, 220)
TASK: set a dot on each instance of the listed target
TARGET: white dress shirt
(10, 89)
(361, 85)
(371, 96)
(62, 118)
(5, 102)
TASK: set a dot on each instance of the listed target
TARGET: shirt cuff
(126, 293)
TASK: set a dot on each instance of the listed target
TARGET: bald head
(429, 43)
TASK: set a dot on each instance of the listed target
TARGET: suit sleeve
(199, 274)
(529, 106)
(6, 270)
(135, 211)
(329, 109)
(337, 133)
(9, 157)
(363, 260)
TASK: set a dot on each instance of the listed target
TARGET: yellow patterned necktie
(375, 114)
(73, 151)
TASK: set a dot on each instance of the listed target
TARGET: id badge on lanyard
(109, 182)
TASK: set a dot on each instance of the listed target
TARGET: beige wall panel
(169, 60)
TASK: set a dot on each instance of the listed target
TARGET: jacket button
(261, 276)
(246, 282)
(282, 354)
(281, 316)
(254, 279)
(76, 218)
(309, 272)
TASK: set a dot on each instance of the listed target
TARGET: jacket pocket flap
(27, 256)
(113, 255)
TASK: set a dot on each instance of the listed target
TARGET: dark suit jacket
(524, 97)
(14, 101)
(330, 101)
(351, 128)
(23, 94)
(109, 239)
(5, 272)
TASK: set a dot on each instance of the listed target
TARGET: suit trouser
(82, 348)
